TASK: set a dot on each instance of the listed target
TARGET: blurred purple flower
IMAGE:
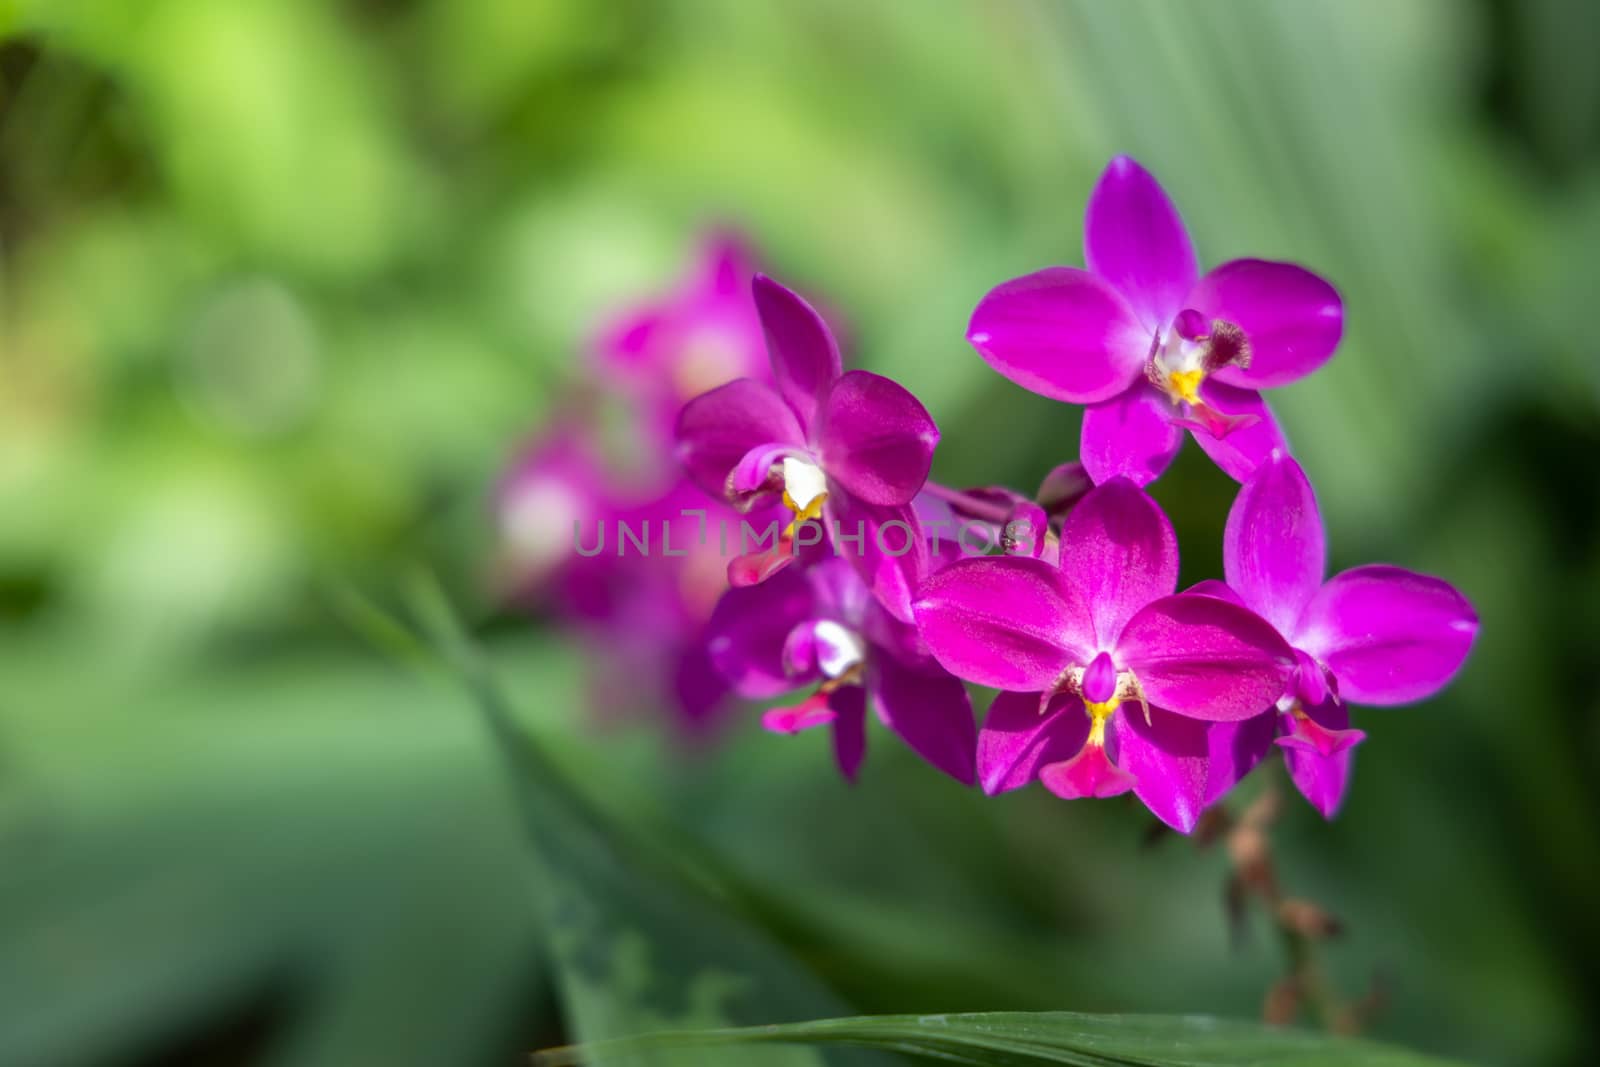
(640, 613)
(1373, 635)
(1073, 645)
(853, 448)
(821, 625)
(1152, 347)
(660, 355)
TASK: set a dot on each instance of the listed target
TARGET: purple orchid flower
(853, 448)
(1373, 635)
(638, 611)
(1152, 347)
(658, 356)
(1075, 645)
(821, 625)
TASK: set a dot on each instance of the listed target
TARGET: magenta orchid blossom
(821, 626)
(1372, 635)
(1153, 347)
(1109, 679)
(852, 448)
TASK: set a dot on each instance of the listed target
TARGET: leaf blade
(1035, 1039)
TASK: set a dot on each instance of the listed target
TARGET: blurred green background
(282, 283)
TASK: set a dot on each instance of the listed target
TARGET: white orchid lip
(804, 484)
(839, 648)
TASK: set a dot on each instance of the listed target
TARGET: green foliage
(1016, 1039)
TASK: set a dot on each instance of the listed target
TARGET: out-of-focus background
(284, 283)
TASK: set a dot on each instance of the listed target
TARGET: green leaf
(634, 943)
(1026, 1039)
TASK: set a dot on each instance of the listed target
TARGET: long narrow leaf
(1032, 1039)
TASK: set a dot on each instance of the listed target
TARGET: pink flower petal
(1203, 657)
(1063, 487)
(931, 712)
(1088, 774)
(1134, 238)
(1062, 333)
(849, 705)
(1118, 549)
(749, 629)
(1006, 622)
(1291, 318)
(1234, 750)
(805, 357)
(1168, 757)
(717, 430)
(1319, 769)
(811, 712)
(876, 439)
(1131, 435)
(885, 545)
(1016, 740)
(1273, 553)
(1252, 442)
(1389, 635)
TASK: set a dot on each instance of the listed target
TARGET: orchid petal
(931, 712)
(754, 473)
(1273, 552)
(849, 705)
(876, 439)
(749, 629)
(1203, 657)
(1016, 740)
(805, 357)
(1132, 434)
(1251, 443)
(1118, 548)
(1235, 749)
(1291, 318)
(1062, 488)
(821, 646)
(725, 265)
(1218, 589)
(885, 545)
(1006, 622)
(1322, 775)
(700, 693)
(1062, 333)
(1168, 756)
(1389, 635)
(717, 430)
(1090, 773)
(810, 713)
(1134, 238)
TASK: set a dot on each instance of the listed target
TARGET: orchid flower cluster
(1110, 680)
(639, 616)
